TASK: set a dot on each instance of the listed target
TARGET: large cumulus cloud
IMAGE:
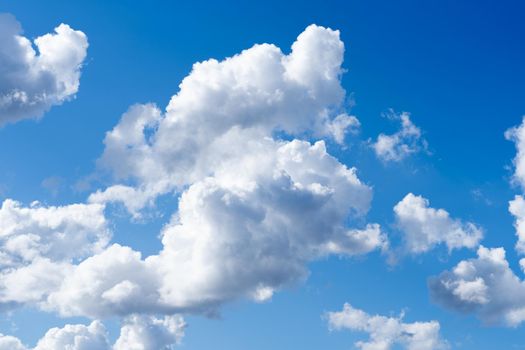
(241, 148)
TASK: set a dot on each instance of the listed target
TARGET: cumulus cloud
(517, 209)
(517, 135)
(401, 144)
(485, 286)
(424, 227)
(38, 244)
(32, 81)
(137, 333)
(246, 232)
(387, 332)
(253, 209)
(146, 332)
(8, 342)
(260, 92)
(517, 205)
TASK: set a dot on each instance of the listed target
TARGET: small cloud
(398, 146)
(31, 83)
(479, 196)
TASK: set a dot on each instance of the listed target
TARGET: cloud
(387, 332)
(517, 205)
(38, 244)
(485, 286)
(261, 92)
(31, 82)
(517, 135)
(75, 337)
(244, 233)
(146, 332)
(424, 227)
(137, 333)
(61, 233)
(256, 201)
(253, 209)
(517, 209)
(401, 144)
(8, 342)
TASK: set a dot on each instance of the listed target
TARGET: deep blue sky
(456, 66)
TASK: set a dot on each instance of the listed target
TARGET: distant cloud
(32, 81)
(387, 333)
(401, 144)
(424, 227)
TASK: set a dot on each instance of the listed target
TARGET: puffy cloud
(246, 232)
(401, 144)
(341, 126)
(517, 205)
(517, 209)
(485, 286)
(517, 135)
(253, 210)
(260, 91)
(387, 332)
(114, 282)
(146, 332)
(75, 337)
(56, 232)
(38, 244)
(32, 82)
(423, 227)
(8, 342)
(137, 333)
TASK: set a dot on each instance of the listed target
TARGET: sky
(233, 175)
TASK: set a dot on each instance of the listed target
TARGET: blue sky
(455, 67)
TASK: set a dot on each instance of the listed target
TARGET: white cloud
(424, 227)
(485, 286)
(517, 135)
(75, 337)
(259, 92)
(32, 82)
(517, 209)
(341, 126)
(137, 333)
(253, 211)
(246, 232)
(387, 332)
(517, 205)
(146, 332)
(401, 144)
(38, 243)
(60, 233)
(8, 342)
